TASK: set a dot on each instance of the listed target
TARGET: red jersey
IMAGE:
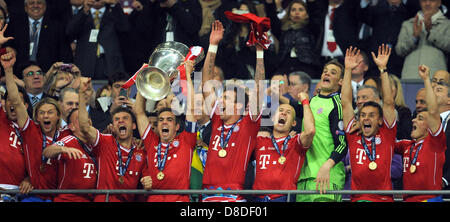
(12, 161)
(107, 154)
(229, 172)
(429, 163)
(177, 168)
(270, 173)
(75, 174)
(43, 174)
(364, 178)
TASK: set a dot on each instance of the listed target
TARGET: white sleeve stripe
(437, 132)
(97, 139)
(27, 123)
(349, 126)
(147, 130)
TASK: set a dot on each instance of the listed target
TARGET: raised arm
(215, 37)
(190, 89)
(54, 150)
(86, 128)
(433, 118)
(141, 117)
(308, 121)
(260, 73)
(381, 61)
(8, 61)
(351, 61)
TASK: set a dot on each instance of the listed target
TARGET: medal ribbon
(223, 144)
(274, 142)
(414, 160)
(123, 169)
(44, 143)
(162, 161)
(86, 149)
(371, 156)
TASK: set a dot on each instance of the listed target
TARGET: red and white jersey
(429, 163)
(12, 160)
(177, 169)
(42, 175)
(75, 174)
(229, 172)
(362, 177)
(106, 151)
(270, 174)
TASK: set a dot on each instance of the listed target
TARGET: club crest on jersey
(176, 143)
(138, 157)
(60, 143)
(320, 110)
(377, 140)
(236, 128)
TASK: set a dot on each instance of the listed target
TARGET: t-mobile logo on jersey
(361, 155)
(88, 170)
(14, 139)
(263, 160)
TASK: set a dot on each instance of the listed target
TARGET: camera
(66, 67)
(123, 92)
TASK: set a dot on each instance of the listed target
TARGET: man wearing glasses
(34, 79)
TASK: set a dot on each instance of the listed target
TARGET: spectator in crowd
(121, 163)
(404, 118)
(96, 30)
(386, 18)
(424, 156)
(421, 103)
(424, 39)
(43, 41)
(324, 170)
(239, 63)
(370, 166)
(173, 20)
(68, 101)
(336, 27)
(297, 52)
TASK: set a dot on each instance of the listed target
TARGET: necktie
(97, 26)
(34, 101)
(34, 40)
(332, 45)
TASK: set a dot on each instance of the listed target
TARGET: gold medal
(222, 153)
(412, 168)
(372, 165)
(121, 180)
(282, 160)
(160, 175)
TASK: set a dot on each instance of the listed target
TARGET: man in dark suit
(335, 25)
(37, 37)
(96, 28)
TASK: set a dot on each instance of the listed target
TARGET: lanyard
(370, 155)
(414, 160)
(44, 143)
(223, 143)
(123, 169)
(87, 150)
(162, 161)
(274, 142)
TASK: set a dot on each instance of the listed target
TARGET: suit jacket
(79, 27)
(52, 46)
(345, 24)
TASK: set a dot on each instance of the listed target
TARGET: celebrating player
(234, 130)
(371, 152)
(279, 159)
(424, 155)
(37, 134)
(120, 164)
(169, 152)
(77, 165)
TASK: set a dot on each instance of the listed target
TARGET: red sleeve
(438, 139)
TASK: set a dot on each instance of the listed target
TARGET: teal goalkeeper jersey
(329, 140)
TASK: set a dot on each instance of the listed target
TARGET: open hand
(217, 31)
(381, 60)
